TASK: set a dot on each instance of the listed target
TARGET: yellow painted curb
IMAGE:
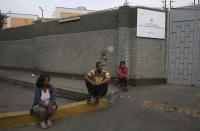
(171, 108)
(17, 119)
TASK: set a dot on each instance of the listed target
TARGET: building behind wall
(73, 46)
(61, 12)
(15, 20)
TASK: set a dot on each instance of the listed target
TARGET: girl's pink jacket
(121, 74)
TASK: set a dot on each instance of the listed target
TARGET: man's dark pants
(96, 91)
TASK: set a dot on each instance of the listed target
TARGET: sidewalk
(14, 98)
(69, 88)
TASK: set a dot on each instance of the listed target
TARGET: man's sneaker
(43, 125)
(97, 100)
(49, 123)
(91, 100)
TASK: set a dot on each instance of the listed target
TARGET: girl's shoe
(125, 89)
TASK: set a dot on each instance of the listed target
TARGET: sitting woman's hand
(49, 107)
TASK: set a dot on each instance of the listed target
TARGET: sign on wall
(150, 24)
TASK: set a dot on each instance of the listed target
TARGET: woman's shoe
(49, 123)
(43, 125)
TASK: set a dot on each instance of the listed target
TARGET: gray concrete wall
(74, 47)
(147, 57)
(74, 53)
(17, 53)
(150, 60)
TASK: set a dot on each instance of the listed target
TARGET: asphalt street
(127, 112)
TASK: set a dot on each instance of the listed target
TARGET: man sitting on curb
(97, 83)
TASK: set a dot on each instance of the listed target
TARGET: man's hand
(50, 104)
(93, 83)
(105, 81)
(89, 80)
(98, 84)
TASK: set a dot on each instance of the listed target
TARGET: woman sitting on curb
(44, 104)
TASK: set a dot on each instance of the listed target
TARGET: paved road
(19, 98)
(126, 112)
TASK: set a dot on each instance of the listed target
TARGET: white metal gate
(184, 49)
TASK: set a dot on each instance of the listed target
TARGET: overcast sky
(31, 6)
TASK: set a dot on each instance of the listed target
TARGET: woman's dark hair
(41, 79)
(122, 62)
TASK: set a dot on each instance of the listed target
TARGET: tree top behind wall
(2, 19)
